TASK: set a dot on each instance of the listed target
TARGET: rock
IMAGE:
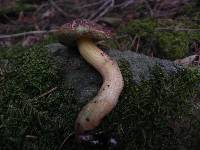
(86, 81)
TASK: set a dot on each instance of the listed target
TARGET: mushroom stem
(106, 99)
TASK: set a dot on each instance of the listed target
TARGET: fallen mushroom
(85, 34)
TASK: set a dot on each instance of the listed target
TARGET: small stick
(44, 94)
(65, 140)
(99, 10)
(125, 4)
(134, 40)
(48, 92)
(91, 4)
(39, 8)
(26, 33)
(138, 44)
(58, 8)
(149, 7)
(180, 29)
(105, 10)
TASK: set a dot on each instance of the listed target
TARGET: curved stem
(91, 115)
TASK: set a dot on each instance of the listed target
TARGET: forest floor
(38, 112)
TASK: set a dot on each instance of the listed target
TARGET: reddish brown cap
(78, 28)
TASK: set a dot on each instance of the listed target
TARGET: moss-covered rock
(37, 111)
(155, 113)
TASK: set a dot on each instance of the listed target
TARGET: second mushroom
(85, 33)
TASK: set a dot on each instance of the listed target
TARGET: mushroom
(85, 33)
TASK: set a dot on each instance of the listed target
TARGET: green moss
(154, 114)
(149, 115)
(162, 38)
(172, 45)
(182, 22)
(142, 27)
(139, 36)
(31, 119)
(195, 36)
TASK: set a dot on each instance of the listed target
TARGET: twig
(31, 136)
(121, 36)
(99, 10)
(44, 94)
(179, 29)
(91, 4)
(65, 140)
(27, 33)
(105, 10)
(102, 10)
(11, 21)
(1, 74)
(48, 92)
(149, 7)
(40, 7)
(134, 40)
(58, 8)
(138, 44)
(125, 4)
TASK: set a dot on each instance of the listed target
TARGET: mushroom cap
(72, 31)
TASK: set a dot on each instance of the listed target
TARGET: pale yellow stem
(106, 99)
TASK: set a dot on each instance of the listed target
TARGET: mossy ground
(31, 119)
(164, 38)
(155, 114)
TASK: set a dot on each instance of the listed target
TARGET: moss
(195, 36)
(169, 42)
(139, 36)
(142, 28)
(155, 113)
(149, 115)
(141, 33)
(32, 118)
(172, 45)
(182, 22)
